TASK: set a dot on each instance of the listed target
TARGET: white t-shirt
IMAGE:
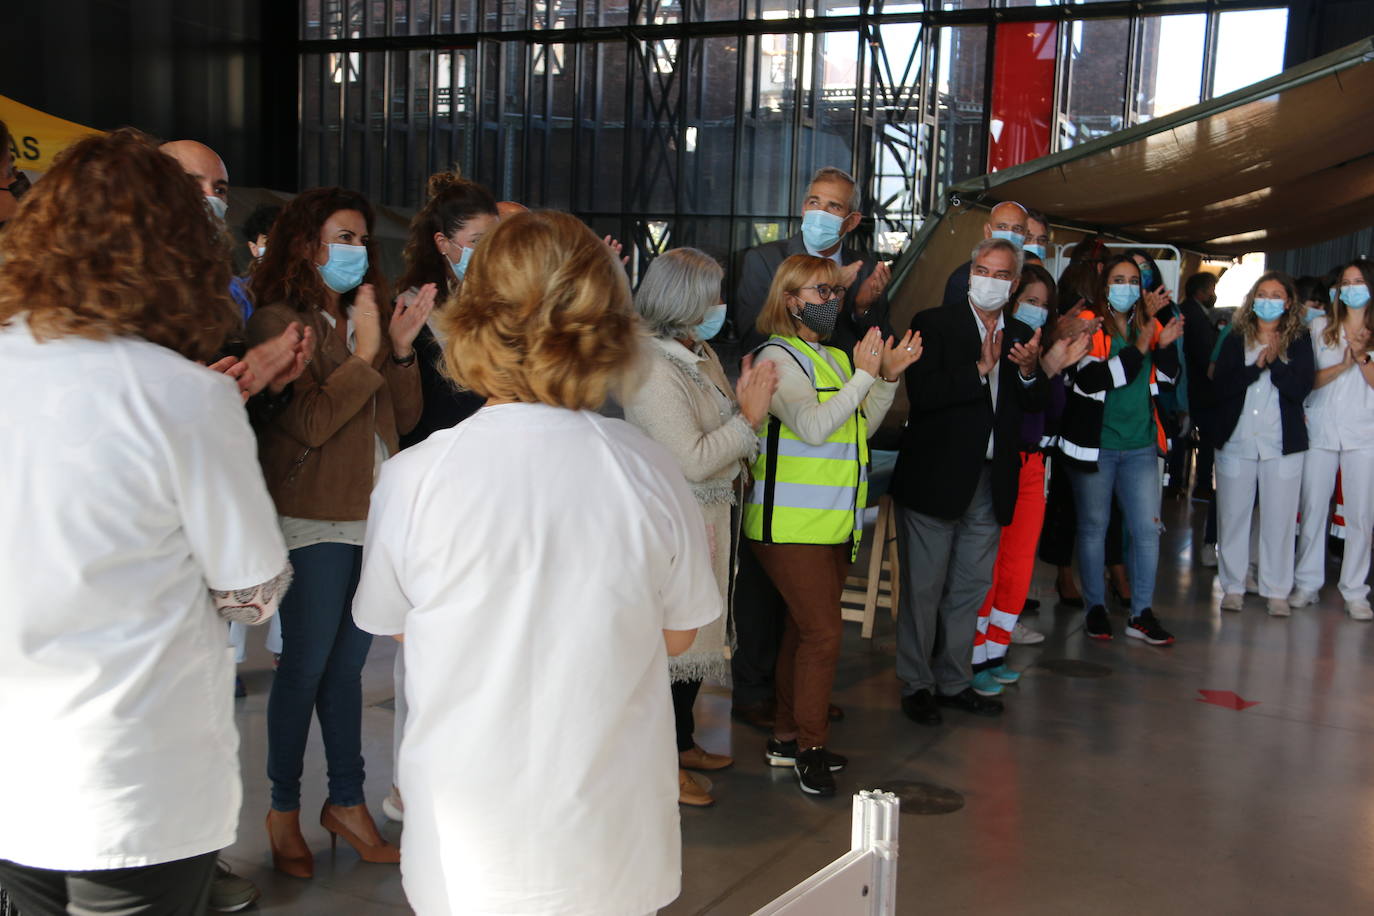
(532, 557)
(1340, 414)
(132, 489)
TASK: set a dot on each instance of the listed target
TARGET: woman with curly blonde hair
(541, 562)
(139, 523)
(1263, 372)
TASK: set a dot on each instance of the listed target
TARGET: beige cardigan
(686, 405)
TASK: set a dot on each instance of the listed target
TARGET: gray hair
(987, 245)
(830, 173)
(678, 288)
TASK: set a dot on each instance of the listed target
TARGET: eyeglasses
(825, 289)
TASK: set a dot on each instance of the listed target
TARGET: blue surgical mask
(1123, 295)
(346, 267)
(710, 325)
(218, 206)
(1147, 278)
(460, 266)
(1015, 238)
(821, 230)
(1033, 315)
(1037, 250)
(1355, 297)
(1312, 313)
(1268, 309)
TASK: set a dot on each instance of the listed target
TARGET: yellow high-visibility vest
(810, 494)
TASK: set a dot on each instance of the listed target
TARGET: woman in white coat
(686, 405)
(541, 562)
(1340, 425)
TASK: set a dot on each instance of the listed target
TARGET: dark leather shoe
(835, 713)
(971, 702)
(920, 708)
(760, 715)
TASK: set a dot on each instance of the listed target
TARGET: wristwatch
(409, 360)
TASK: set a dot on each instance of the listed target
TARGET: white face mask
(988, 293)
(218, 206)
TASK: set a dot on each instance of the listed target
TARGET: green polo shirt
(1128, 419)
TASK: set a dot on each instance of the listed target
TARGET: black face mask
(20, 185)
(820, 318)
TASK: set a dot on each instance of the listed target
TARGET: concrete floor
(1119, 794)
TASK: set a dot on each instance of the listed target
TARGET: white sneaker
(1023, 635)
(1278, 607)
(1207, 555)
(1232, 602)
(1359, 610)
(393, 807)
(1301, 598)
(1251, 583)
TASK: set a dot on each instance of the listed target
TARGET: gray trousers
(947, 569)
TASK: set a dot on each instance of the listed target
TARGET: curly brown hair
(116, 240)
(544, 316)
(453, 200)
(287, 274)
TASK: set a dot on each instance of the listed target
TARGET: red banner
(1022, 93)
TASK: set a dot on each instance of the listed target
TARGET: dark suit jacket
(1292, 378)
(956, 287)
(756, 275)
(944, 445)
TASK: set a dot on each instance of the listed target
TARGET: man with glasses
(830, 211)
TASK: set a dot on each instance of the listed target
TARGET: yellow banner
(35, 136)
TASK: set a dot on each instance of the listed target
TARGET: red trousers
(1011, 576)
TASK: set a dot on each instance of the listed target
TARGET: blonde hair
(791, 275)
(544, 315)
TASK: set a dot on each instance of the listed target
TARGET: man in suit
(955, 483)
(830, 211)
(1008, 221)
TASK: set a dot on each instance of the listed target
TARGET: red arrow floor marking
(1226, 699)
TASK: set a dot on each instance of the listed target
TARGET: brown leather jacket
(318, 454)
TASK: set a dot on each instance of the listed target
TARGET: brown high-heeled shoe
(355, 825)
(290, 855)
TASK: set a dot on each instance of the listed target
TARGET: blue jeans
(321, 672)
(1134, 476)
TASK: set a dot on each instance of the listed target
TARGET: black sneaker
(1097, 626)
(1146, 627)
(920, 708)
(784, 754)
(969, 701)
(814, 773)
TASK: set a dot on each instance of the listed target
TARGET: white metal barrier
(863, 881)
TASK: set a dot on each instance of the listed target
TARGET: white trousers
(1277, 481)
(1357, 499)
(238, 638)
